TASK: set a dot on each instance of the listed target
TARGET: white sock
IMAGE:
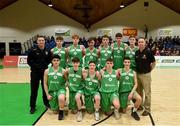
(134, 109)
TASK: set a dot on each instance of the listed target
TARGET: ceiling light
(50, 4)
(122, 5)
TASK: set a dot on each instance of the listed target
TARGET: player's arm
(46, 84)
(118, 73)
(84, 74)
(67, 54)
(83, 50)
(134, 87)
(125, 46)
(98, 52)
(66, 73)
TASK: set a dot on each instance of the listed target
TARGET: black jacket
(38, 59)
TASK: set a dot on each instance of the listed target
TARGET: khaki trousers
(144, 83)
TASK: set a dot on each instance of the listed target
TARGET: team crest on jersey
(46, 52)
(127, 77)
(118, 51)
(55, 77)
(91, 57)
(105, 54)
(74, 79)
(110, 79)
(90, 83)
(75, 53)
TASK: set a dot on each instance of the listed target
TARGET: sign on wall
(101, 32)
(62, 32)
(165, 32)
(129, 31)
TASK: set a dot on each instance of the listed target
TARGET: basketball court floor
(165, 100)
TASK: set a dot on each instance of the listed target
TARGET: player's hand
(49, 97)
(130, 96)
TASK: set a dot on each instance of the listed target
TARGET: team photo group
(112, 78)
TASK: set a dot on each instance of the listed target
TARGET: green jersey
(75, 52)
(75, 79)
(105, 53)
(118, 55)
(91, 85)
(131, 54)
(61, 52)
(109, 82)
(90, 56)
(56, 79)
(126, 81)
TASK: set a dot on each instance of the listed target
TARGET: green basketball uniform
(131, 54)
(108, 90)
(56, 86)
(75, 86)
(75, 52)
(90, 56)
(91, 88)
(105, 53)
(125, 87)
(118, 55)
(61, 52)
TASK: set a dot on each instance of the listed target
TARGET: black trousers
(36, 77)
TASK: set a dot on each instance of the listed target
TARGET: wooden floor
(165, 100)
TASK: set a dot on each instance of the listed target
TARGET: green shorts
(123, 98)
(89, 102)
(54, 101)
(107, 100)
(72, 101)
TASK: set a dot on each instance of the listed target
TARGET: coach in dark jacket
(38, 59)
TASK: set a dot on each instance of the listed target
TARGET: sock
(134, 109)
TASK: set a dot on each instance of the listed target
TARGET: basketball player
(91, 89)
(74, 77)
(130, 51)
(91, 53)
(59, 50)
(75, 50)
(127, 88)
(54, 86)
(109, 89)
(118, 49)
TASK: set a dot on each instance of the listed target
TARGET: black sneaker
(145, 113)
(135, 116)
(61, 115)
(47, 106)
(32, 110)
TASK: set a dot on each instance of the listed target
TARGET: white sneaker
(96, 115)
(116, 114)
(79, 116)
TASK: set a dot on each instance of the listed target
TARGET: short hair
(75, 60)
(59, 38)
(40, 36)
(132, 36)
(141, 38)
(91, 39)
(126, 58)
(75, 36)
(109, 60)
(105, 36)
(118, 35)
(92, 62)
(55, 57)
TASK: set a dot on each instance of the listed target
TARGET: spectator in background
(38, 59)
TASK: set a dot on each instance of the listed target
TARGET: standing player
(54, 86)
(74, 76)
(104, 52)
(118, 51)
(91, 87)
(109, 89)
(130, 51)
(75, 50)
(127, 88)
(59, 50)
(91, 53)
